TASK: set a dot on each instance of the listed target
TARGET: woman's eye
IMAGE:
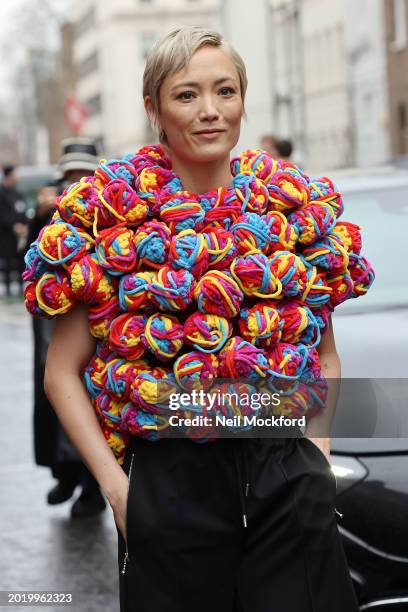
(185, 95)
(227, 91)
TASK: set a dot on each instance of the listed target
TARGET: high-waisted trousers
(233, 525)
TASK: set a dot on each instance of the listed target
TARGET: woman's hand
(323, 444)
(118, 502)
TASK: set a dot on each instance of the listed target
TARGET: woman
(242, 524)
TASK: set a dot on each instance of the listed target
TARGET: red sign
(75, 114)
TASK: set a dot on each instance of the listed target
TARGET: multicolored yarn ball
(151, 390)
(290, 271)
(225, 211)
(163, 335)
(109, 170)
(172, 289)
(298, 324)
(119, 203)
(313, 221)
(350, 235)
(188, 251)
(115, 250)
(207, 332)
(89, 281)
(108, 409)
(316, 291)
(286, 192)
(78, 203)
(254, 275)
(220, 247)
(35, 266)
(260, 325)
(117, 441)
(154, 185)
(182, 211)
(342, 287)
(125, 335)
(100, 317)
(312, 371)
(93, 373)
(286, 362)
(152, 243)
(241, 359)
(329, 253)
(61, 243)
(323, 190)
(196, 370)
(322, 316)
(259, 163)
(251, 192)
(141, 423)
(362, 274)
(251, 232)
(119, 375)
(282, 235)
(134, 291)
(218, 293)
(53, 294)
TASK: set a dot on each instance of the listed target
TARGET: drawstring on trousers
(243, 481)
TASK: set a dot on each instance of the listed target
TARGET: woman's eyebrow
(195, 84)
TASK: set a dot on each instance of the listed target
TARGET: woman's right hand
(118, 503)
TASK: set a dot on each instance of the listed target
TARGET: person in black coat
(13, 227)
(52, 448)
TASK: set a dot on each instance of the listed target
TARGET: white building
(112, 40)
(327, 115)
(364, 32)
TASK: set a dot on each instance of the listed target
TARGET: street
(41, 547)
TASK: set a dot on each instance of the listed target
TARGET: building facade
(365, 48)
(111, 43)
(396, 38)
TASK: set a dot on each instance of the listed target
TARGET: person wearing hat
(52, 447)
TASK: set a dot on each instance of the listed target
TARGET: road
(41, 547)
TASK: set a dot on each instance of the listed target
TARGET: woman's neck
(202, 177)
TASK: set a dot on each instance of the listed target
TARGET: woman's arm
(319, 427)
(70, 349)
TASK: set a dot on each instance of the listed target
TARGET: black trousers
(234, 525)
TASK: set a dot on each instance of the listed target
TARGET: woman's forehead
(209, 65)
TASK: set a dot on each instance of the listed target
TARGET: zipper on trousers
(126, 557)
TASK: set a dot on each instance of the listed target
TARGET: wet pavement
(41, 547)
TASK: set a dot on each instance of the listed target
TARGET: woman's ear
(150, 112)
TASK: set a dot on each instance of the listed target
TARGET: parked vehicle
(370, 443)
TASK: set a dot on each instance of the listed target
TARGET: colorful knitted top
(185, 289)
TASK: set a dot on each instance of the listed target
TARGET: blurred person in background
(13, 227)
(52, 447)
(268, 143)
(284, 149)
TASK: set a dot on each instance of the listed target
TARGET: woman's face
(201, 107)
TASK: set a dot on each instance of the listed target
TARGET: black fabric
(187, 543)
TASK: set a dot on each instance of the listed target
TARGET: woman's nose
(208, 110)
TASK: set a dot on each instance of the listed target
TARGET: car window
(383, 218)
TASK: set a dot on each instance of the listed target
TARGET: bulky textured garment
(184, 290)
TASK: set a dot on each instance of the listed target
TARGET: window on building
(85, 23)
(399, 25)
(94, 105)
(147, 41)
(89, 65)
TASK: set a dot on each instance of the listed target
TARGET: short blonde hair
(172, 52)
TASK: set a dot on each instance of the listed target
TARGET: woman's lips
(210, 135)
